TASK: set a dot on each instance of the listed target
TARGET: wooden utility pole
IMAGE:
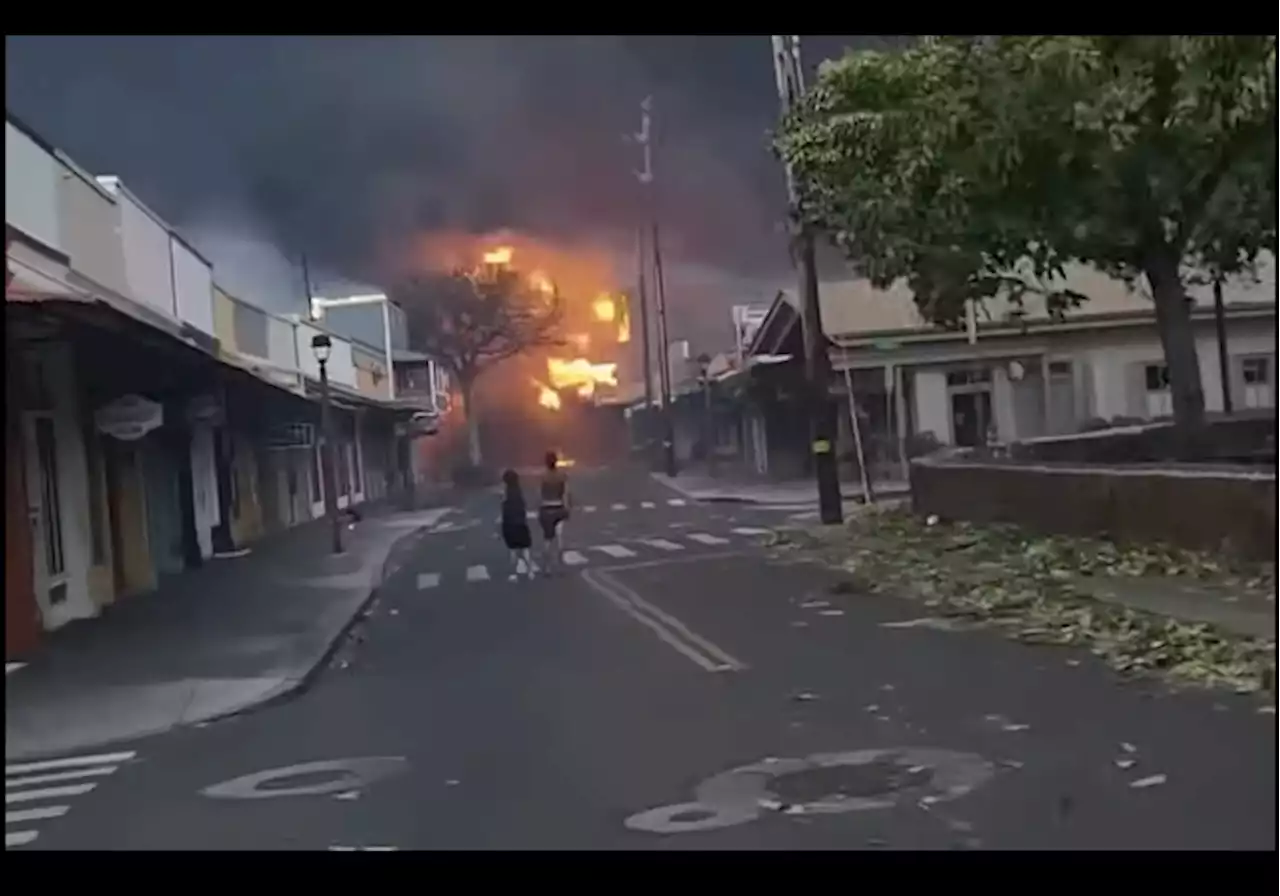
(645, 346)
(790, 80)
(646, 179)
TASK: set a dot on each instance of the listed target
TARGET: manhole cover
(821, 784)
(877, 778)
(309, 778)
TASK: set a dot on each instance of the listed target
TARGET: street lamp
(321, 346)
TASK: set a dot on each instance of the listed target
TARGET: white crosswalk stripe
(662, 544)
(582, 556)
(618, 507)
(26, 789)
(590, 508)
(648, 505)
(676, 502)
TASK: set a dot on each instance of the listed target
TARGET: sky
(262, 148)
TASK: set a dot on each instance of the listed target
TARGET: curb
(296, 687)
(286, 690)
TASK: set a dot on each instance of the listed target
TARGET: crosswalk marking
(73, 775)
(48, 793)
(662, 544)
(23, 768)
(618, 507)
(582, 557)
(590, 508)
(48, 782)
(676, 502)
(35, 814)
(647, 505)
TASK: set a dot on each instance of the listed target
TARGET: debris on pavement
(1151, 781)
(1039, 590)
(347, 795)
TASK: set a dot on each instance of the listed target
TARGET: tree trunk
(473, 423)
(1173, 321)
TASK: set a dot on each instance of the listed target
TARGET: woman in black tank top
(553, 510)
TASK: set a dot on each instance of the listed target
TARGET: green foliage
(981, 166)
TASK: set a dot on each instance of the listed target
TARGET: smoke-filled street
(610, 707)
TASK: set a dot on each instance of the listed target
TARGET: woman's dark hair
(511, 479)
(551, 460)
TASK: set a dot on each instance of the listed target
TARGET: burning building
(547, 397)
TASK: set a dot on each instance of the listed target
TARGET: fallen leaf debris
(1034, 589)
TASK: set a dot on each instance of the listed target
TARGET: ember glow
(547, 397)
(499, 256)
(542, 283)
(604, 309)
(581, 374)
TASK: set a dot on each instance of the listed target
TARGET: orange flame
(547, 397)
(542, 283)
(581, 374)
(604, 309)
(499, 256)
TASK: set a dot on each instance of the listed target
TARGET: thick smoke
(343, 148)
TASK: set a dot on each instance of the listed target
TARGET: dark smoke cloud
(339, 146)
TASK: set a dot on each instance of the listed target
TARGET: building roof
(854, 308)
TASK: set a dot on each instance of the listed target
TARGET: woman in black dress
(515, 525)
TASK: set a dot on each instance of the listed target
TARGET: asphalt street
(605, 707)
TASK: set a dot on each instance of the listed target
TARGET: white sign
(129, 418)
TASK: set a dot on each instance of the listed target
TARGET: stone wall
(1193, 507)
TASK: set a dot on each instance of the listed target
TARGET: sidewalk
(229, 636)
(1188, 599)
(794, 493)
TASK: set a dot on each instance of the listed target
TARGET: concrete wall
(32, 177)
(91, 227)
(193, 286)
(148, 263)
(224, 320)
(1192, 508)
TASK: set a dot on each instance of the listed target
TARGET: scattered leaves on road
(1037, 589)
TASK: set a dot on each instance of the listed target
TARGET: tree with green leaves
(473, 321)
(974, 167)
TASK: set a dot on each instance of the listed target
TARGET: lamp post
(708, 427)
(321, 346)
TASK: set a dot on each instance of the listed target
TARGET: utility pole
(645, 347)
(664, 370)
(790, 80)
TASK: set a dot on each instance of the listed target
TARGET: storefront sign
(129, 418)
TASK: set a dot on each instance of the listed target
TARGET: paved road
(600, 710)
